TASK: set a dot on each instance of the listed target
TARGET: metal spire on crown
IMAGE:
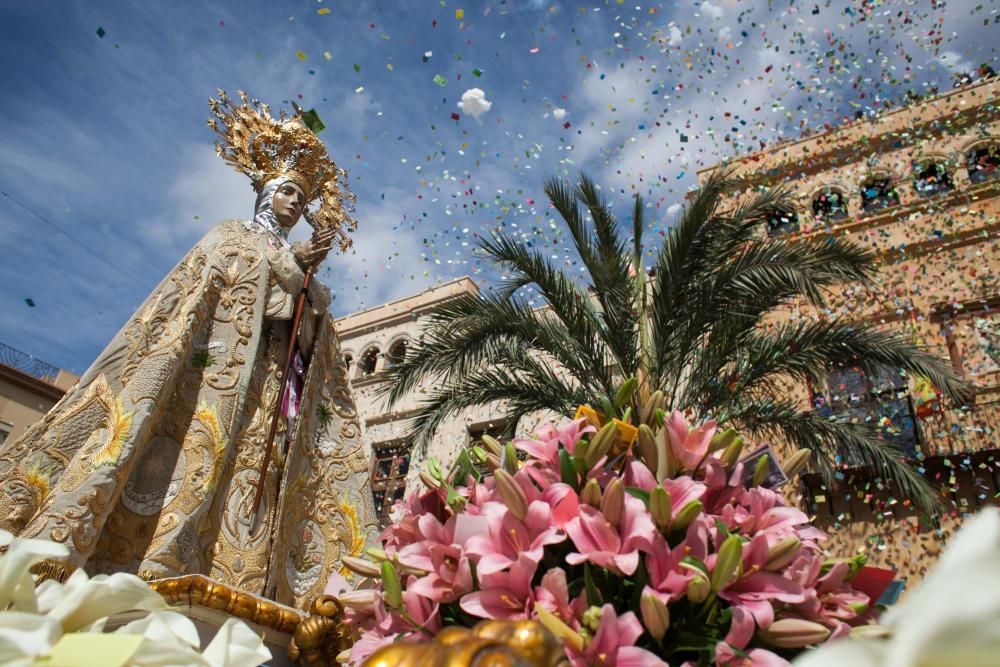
(264, 148)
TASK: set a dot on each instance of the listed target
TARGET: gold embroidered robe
(149, 463)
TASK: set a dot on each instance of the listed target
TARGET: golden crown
(264, 148)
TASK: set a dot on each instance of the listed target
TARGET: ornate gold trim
(319, 638)
(51, 569)
(511, 643)
(197, 589)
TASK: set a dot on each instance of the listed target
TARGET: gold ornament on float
(265, 148)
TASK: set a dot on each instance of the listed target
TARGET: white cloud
(674, 37)
(956, 63)
(558, 113)
(712, 10)
(638, 155)
(205, 191)
(474, 102)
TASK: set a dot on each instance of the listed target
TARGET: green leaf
(607, 407)
(691, 560)
(475, 575)
(455, 500)
(463, 468)
(625, 392)
(567, 471)
(594, 598)
(636, 492)
(202, 360)
(324, 414)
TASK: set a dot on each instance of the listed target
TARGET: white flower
(84, 600)
(17, 586)
(952, 618)
(234, 645)
(37, 622)
(24, 636)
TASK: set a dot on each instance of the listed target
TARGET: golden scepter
(318, 237)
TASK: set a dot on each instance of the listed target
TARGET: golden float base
(315, 639)
(294, 637)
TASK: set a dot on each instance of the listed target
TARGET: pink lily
(390, 626)
(725, 656)
(839, 599)
(614, 644)
(750, 597)
(546, 447)
(751, 594)
(404, 530)
(638, 475)
(616, 549)
(441, 556)
(667, 580)
(505, 595)
(689, 446)
(510, 538)
(564, 503)
(829, 599)
(553, 595)
(683, 490)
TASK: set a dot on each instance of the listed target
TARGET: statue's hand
(314, 251)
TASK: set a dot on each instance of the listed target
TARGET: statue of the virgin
(153, 463)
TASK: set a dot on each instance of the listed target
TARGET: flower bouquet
(647, 544)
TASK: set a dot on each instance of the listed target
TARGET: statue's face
(288, 203)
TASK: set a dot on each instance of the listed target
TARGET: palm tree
(690, 327)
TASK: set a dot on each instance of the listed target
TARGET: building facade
(372, 341)
(919, 187)
(28, 388)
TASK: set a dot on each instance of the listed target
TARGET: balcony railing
(24, 362)
(970, 429)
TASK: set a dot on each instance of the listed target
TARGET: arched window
(878, 193)
(983, 163)
(368, 361)
(830, 205)
(780, 223)
(349, 360)
(931, 178)
(397, 352)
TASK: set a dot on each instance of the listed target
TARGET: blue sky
(105, 137)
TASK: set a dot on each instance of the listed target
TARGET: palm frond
(808, 351)
(837, 441)
(520, 385)
(568, 303)
(564, 200)
(471, 332)
(674, 317)
(610, 275)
